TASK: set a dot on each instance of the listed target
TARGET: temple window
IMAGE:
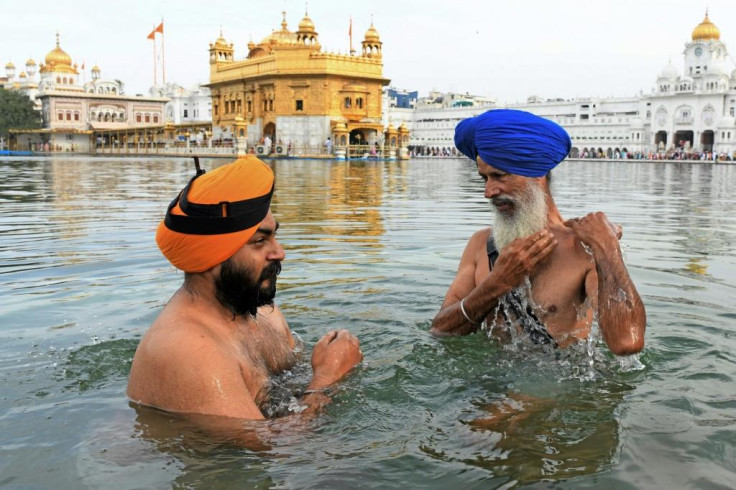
(240, 106)
(76, 116)
(137, 118)
(359, 102)
(148, 118)
(155, 118)
(270, 105)
(68, 116)
(249, 105)
(61, 115)
(348, 103)
(299, 105)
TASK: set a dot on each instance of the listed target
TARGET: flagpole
(154, 58)
(352, 52)
(163, 60)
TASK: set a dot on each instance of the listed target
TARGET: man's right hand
(333, 357)
(519, 258)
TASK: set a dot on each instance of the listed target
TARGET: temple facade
(79, 116)
(291, 92)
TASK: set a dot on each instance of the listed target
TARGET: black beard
(237, 291)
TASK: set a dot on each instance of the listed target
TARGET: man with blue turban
(535, 277)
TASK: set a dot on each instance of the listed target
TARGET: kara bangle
(465, 314)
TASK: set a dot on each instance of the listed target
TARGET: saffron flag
(160, 28)
(152, 35)
(350, 30)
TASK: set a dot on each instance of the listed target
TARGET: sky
(507, 49)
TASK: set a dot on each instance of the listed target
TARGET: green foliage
(17, 112)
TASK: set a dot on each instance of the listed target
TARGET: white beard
(530, 216)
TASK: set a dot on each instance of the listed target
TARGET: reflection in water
(533, 417)
(696, 266)
(343, 202)
(536, 438)
(164, 450)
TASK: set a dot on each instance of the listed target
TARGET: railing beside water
(276, 150)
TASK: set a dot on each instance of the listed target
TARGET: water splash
(514, 319)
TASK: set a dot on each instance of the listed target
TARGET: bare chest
(264, 353)
(554, 293)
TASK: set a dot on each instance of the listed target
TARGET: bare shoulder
(476, 247)
(182, 364)
(480, 238)
(465, 279)
(571, 254)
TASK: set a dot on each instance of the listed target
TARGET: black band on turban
(216, 219)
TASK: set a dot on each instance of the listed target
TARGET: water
(371, 247)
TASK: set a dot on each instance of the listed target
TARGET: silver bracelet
(465, 314)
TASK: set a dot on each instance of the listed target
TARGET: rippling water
(371, 247)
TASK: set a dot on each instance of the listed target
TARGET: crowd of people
(679, 153)
(432, 151)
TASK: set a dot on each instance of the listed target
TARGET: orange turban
(216, 214)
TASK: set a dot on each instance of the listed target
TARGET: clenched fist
(595, 230)
(333, 357)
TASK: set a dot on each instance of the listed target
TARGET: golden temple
(289, 90)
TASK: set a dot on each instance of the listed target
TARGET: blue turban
(515, 142)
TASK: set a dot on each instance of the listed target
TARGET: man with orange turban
(219, 340)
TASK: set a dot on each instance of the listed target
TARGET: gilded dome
(221, 41)
(58, 61)
(706, 31)
(10, 66)
(306, 24)
(283, 36)
(23, 75)
(96, 69)
(372, 34)
(58, 57)
(30, 62)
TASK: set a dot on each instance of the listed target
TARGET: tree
(17, 112)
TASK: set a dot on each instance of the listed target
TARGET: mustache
(502, 199)
(271, 271)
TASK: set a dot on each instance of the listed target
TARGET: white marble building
(73, 112)
(24, 83)
(185, 105)
(692, 109)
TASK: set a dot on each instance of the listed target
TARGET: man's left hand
(595, 230)
(333, 357)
